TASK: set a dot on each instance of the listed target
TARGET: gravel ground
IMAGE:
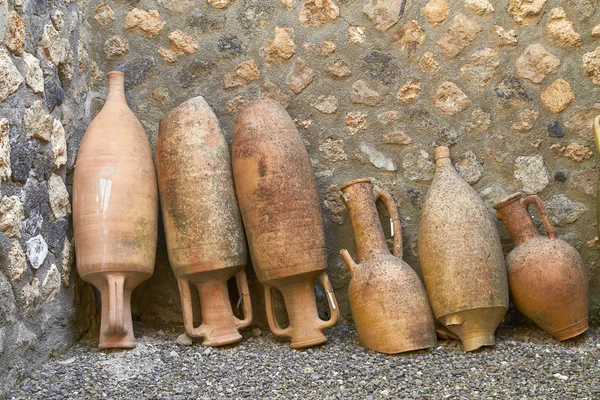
(525, 364)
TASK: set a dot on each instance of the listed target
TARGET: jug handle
(331, 300)
(242, 284)
(393, 210)
(535, 200)
(271, 317)
(188, 313)
(596, 129)
(348, 260)
(116, 322)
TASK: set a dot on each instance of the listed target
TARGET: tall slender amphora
(278, 199)
(204, 232)
(115, 211)
(461, 257)
(389, 305)
(545, 274)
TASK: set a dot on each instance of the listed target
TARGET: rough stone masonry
(372, 85)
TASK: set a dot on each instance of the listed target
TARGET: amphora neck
(517, 219)
(368, 233)
(116, 87)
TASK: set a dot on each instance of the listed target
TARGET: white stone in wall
(5, 171)
(11, 216)
(17, 262)
(377, 158)
(37, 123)
(51, 283)
(52, 45)
(59, 197)
(10, 78)
(66, 262)
(532, 173)
(37, 250)
(34, 77)
(31, 293)
(59, 144)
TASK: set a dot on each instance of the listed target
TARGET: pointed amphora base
(475, 328)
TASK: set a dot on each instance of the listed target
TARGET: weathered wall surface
(44, 67)
(373, 86)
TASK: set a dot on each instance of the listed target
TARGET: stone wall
(44, 66)
(373, 86)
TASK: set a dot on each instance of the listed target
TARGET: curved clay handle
(116, 322)
(333, 306)
(347, 258)
(242, 284)
(535, 200)
(596, 129)
(271, 317)
(188, 313)
(391, 206)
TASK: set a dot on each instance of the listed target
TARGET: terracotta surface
(545, 274)
(115, 211)
(389, 305)
(461, 257)
(278, 199)
(205, 237)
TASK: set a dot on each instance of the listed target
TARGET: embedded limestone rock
(563, 211)
(115, 47)
(536, 63)
(220, 4)
(31, 293)
(104, 15)
(180, 44)
(387, 117)
(300, 76)
(397, 137)
(532, 173)
(505, 38)
(5, 170)
(418, 167)
(15, 34)
(325, 104)
(558, 96)
(177, 7)
(428, 64)
(34, 77)
(52, 45)
(526, 119)
(580, 121)
(59, 144)
(51, 283)
(11, 216)
(58, 20)
(596, 31)
(59, 197)
(281, 48)
(449, 99)
(317, 12)
(469, 167)
(242, 74)
(271, 91)
(362, 93)
(481, 68)
(37, 123)
(356, 34)
(384, 13)
(480, 7)
(436, 11)
(408, 91)
(410, 37)
(67, 256)
(356, 122)
(333, 149)
(591, 65)
(10, 78)
(586, 181)
(338, 69)
(377, 158)
(17, 262)
(560, 30)
(574, 151)
(480, 121)
(37, 250)
(147, 23)
(458, 36)
(525, 11)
